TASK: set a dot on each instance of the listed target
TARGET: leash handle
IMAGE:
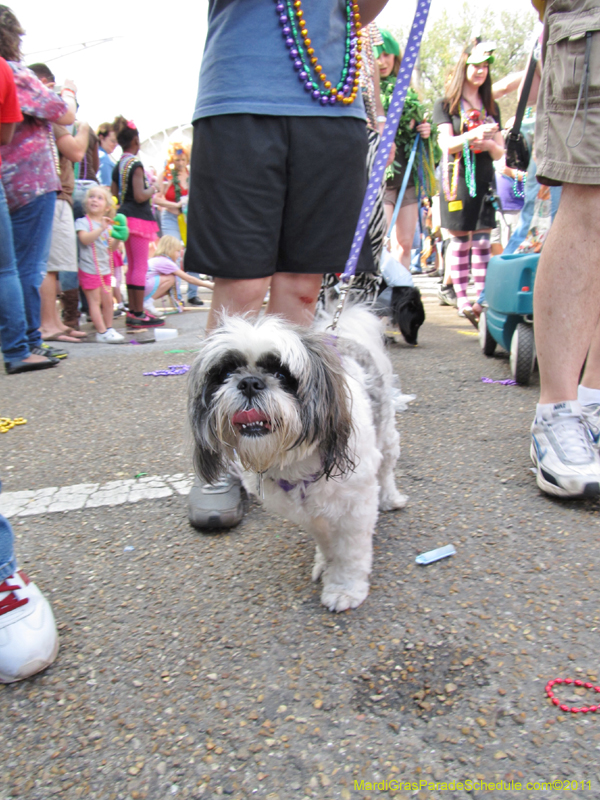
(389, 134)
(407, 174)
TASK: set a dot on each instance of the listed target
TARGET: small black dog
(404, 307)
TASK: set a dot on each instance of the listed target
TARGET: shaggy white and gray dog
(310, 417)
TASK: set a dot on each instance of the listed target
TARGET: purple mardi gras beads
(291, 18)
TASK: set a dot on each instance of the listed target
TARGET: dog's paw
(341, 597)
(318, 566)
(391, 501)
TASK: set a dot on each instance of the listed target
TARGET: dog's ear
(325, 406)
(209, 453)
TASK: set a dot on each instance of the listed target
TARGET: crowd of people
(75, 218)
(269, 201)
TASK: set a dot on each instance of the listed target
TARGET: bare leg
(93, 298)
(165, 284)
(566, 299)
(106, 305)
(591, 376)
(406, 224)
(294, 296)
(50, 320)
(236, 297)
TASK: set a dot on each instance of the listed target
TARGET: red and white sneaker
(28, 636)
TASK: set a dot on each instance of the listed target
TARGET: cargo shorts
(567, 133)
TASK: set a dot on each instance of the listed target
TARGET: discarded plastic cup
(165, 333)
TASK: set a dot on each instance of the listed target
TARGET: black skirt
(466, 213)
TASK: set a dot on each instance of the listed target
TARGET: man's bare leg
(236, 297)
(566, 310)
(591, 376)
(566, 306)
(294, 296)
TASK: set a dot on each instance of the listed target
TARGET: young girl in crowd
(163, 269)
(129, 184)
(94, 262)
(469, 120)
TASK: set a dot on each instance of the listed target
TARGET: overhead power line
(72, 48)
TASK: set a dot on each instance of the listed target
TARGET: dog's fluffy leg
(319, 564)
(343, 557)
(389, 445)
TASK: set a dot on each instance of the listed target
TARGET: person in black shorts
(468, 120)
(277, 173)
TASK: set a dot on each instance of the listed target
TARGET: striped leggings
(478, 245)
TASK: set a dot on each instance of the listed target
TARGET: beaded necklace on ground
(310, 71)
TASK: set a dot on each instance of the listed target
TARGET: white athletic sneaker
(28, 637)
(110, 336)
(591, 415)
(561, 448)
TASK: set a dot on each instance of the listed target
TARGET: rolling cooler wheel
(486, 340)
(522, 353)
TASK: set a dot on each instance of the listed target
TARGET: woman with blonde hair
(172, 200)
(173, 185)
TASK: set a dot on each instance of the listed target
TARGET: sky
(149, 70)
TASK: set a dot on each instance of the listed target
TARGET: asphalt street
(198, 666)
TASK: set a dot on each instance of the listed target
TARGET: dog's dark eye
(271, 364)
(221, 372)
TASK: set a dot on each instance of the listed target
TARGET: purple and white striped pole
(389, 134)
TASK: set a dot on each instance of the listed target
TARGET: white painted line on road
(92, 495)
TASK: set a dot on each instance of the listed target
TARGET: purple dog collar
(288, 487)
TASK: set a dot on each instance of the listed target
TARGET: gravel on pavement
(198, 666)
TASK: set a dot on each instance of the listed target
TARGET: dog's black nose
(251, 386)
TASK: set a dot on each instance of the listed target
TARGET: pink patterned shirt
(29, 161)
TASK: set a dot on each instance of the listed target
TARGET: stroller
(508, 318)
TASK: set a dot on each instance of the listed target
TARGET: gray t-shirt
(89, 254)
(246, 67)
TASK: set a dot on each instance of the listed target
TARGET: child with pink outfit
(130, 185)
(95, 271)
(163, 269)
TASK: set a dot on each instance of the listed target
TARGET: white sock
(588, 397)
(571, 407)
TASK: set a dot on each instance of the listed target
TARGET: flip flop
(61, 337)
